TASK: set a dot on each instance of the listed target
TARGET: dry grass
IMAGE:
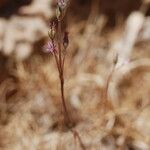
(30, 107)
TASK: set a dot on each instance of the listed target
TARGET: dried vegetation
(110, 104)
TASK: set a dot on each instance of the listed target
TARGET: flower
(50, 47)
(62, 4)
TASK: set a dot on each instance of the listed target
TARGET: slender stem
(76, 135)
(59, 43)
(66, 115)
(61, 74)
(63, 61)
(106, 102)
(57, 63)
(56, 57)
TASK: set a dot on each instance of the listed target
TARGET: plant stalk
(61, 75)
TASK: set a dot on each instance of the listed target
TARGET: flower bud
(52, 30)
(52, 33)
(115, 59)
(62, 4)
(59, 13)
(65, 40)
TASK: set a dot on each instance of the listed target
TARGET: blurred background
(99, 31)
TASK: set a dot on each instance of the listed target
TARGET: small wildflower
(59, 50)
(62, 4)
(49, 47)
(65, 40)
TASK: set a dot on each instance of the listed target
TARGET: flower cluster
(50, 47)
(55, 30)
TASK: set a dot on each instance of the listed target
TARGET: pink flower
(50, 47)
